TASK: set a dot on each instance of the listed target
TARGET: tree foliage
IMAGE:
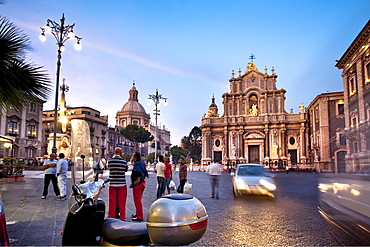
(21, 82)
(136, 134)
(150, 157)
(176, 153)
(193, 144)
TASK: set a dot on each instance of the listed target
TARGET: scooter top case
(124, 233)
(177, 219)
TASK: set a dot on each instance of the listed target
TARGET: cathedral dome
(133, 104)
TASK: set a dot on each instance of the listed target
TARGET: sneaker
(43, 197)
(212, 197)
(136, 219)
(133, 216)
(61, 198)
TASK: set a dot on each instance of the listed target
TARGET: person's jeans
(137, 192)
(167, 181)
(160, 188)
(62, 183)
(53, 179)
(215, 182)
(117, 197)
(180, 189)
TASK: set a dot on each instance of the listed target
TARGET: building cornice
(354, 47)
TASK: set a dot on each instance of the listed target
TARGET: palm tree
(21, 82)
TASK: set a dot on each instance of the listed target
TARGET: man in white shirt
(160, 168)
(214, 172)
(62, 168)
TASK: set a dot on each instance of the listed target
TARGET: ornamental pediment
(254, 135)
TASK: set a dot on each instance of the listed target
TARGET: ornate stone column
(267, 145)
(241, 144)
(283, 143)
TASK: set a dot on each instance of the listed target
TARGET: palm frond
(21, 82)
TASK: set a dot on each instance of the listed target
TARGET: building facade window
(367, 73)
(340, 107)
(352, 86)
(342, 140)
(30, 152)
(31, 130)
(13, 128)
(33, 107)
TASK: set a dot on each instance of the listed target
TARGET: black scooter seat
(118, 232)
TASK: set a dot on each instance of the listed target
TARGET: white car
(253, 179)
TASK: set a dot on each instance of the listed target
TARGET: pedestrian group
(56, 172)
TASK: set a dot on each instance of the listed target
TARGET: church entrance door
(341, 162)
(293, 156)
(254, 154)
(217, 156)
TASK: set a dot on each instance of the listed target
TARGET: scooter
(176, 219)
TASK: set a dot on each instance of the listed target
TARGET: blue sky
(187, 48)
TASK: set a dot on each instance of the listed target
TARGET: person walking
(287, 169)
(167, 175)
(183, 175)
(50, 167)
(214, 172)
(138, 177)
(117, 185)
(62, 168)
(159, 169)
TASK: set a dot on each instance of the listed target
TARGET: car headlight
(267, 184)
(240, 183)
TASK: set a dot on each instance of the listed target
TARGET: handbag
(172, 185)
(188, 188)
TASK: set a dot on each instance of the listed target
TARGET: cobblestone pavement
(290, 219)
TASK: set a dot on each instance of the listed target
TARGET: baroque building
(23, 129)
(327, 147)
(254, 127)
(355, 66)
(133, 112)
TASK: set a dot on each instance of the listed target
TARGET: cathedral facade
(254, 127)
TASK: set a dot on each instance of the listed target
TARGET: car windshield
(251, 170)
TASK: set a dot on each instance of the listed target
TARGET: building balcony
(250, 119)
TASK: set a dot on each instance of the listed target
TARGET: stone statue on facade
(233, 151)
(253, 111)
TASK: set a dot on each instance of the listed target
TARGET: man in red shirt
(167, 175)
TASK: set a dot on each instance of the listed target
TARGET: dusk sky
(187, 49)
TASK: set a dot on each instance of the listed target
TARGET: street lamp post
(61, 33)
(157, 99)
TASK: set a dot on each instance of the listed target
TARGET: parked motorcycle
(176, 219)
